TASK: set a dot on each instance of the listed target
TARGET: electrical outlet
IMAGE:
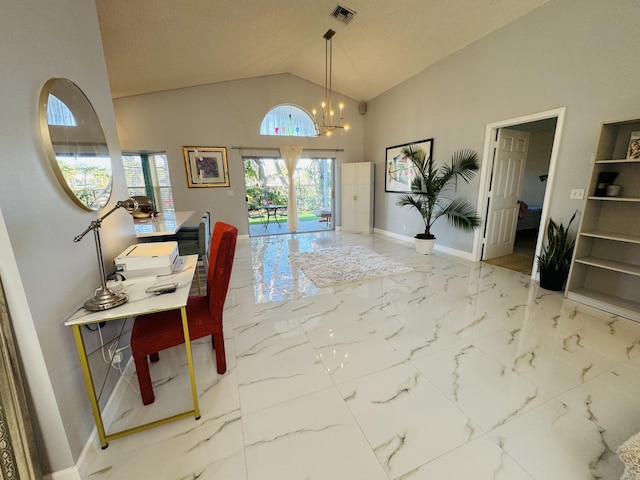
(577, 193)
(115, 357)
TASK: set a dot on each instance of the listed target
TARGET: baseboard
(449, 251)
(67, 474)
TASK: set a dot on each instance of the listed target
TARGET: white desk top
(141, 302)
(167, 223)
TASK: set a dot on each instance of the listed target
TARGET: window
(147, 174)
(288, 120)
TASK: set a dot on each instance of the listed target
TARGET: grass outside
(302, 217)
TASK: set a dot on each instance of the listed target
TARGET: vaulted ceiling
(155, 45)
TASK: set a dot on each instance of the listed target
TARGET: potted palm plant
(431, 193)
(555, 260)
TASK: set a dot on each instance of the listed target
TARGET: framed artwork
(634, 146)
(206, 166)
(399, 170)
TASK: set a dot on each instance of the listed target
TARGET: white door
(349, 196)
(510, 156)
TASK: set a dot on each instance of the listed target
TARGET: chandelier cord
(329, 123)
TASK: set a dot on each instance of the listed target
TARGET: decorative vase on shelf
(604, 180)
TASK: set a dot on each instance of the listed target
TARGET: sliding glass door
(267, 185)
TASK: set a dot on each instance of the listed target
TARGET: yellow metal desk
(140, 303)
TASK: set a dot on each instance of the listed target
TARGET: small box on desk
(141, 259)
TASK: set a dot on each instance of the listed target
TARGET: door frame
(487, 165)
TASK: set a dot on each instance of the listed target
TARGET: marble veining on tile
(452, 370)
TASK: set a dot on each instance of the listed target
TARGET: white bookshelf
(605, 272)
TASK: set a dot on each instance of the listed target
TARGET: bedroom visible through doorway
(513, 189)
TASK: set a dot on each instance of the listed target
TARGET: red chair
(159, 331)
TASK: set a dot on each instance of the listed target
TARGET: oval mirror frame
(75, 144)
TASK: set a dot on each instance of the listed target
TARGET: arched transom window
(288, 120)
(58, 113)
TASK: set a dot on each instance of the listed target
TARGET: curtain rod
(304, 149)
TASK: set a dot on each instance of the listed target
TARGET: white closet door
(349, 196)
(357, 197)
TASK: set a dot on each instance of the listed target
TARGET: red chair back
(221, 253)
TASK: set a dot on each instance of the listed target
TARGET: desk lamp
(104, 298)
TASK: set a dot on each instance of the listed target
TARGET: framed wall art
(399, 171)
(206, 166)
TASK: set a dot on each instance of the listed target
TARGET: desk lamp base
(105, 299)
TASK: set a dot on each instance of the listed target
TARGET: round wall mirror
(75, 143)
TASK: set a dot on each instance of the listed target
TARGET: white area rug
(344, 265)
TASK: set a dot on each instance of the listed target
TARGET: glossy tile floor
(456, 370)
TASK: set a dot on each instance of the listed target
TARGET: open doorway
(267, 184)
(516, 182)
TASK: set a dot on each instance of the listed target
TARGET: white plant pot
(424, 247)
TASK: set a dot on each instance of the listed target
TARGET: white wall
(540, 145)
(567, 53)
(41, 39)
(225, 115)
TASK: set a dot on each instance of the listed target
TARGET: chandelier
(328, 120)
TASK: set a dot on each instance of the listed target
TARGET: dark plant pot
(553, 279)
(424, 236)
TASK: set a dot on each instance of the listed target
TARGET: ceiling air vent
(344, 14)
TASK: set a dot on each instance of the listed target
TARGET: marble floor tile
(543, 355)
(553, 441)
(453, 370)
(487, 391)
(480, 459)
(279, 372)
(389, 407)
(310, 437)
(353, 351)
(593, 400)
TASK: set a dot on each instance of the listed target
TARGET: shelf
(608, 303)
(618, 237)
(622, 160)
(621, 267)
(605, 273)
(615, 199)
